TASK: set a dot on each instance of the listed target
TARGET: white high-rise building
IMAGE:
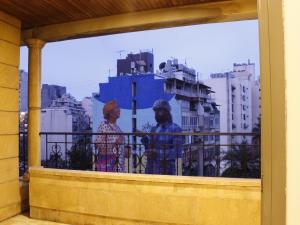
(255, 102)
(23, 91)
(237, 93)
(87, 105)
(66, 115)
(56, 120)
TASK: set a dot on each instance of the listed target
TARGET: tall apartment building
(237, 93)
(23, 91)
(65, 114)
(255, 102)
(50, 93)
(199, 111)
(87, 105)
(192, 106)
(142, 62)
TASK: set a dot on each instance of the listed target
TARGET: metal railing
(189, 154)
(23, 153)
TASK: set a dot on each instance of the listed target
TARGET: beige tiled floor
(25, 220)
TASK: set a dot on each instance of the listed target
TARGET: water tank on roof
(162, 65)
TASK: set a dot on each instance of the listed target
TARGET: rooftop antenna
(120, 53)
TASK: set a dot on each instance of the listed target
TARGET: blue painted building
(148, 89)
(193, 108)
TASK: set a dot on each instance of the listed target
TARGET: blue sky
(82, 63)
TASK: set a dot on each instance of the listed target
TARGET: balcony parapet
(84, 197)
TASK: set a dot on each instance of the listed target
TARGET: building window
(211, 122)
(185, 121)
(193, 106)
(217, 121)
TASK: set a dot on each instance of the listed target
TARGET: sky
(81, 64)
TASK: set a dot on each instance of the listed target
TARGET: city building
(256, 102)
(23, 83)
(56, 120)
(199, 113)
(50, 93)
(65, 114)
(237, 93)
(198, 110)
(72, 197)
(87, 105)
(192, 106)
(142, 62)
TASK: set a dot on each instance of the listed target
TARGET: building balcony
(74, 194)
(92, 197)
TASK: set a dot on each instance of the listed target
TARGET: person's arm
(149, 143)
(147, 140)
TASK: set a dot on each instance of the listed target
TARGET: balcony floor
(25, 220)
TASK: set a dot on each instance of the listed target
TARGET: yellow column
(34, 101)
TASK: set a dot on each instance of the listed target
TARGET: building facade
(87, 105)
(193, 109)
(23, 85)
(133, 63)
(50, 93)
(238, 94)
(65, 114)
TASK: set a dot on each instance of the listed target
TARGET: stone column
(34, 101)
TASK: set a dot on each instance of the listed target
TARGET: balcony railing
(189, 154)
(23, 153)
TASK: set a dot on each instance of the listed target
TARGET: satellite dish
(162, 65)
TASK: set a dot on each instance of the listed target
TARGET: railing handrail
(152, 133)
(198, 150)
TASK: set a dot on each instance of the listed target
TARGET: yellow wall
(79, 197)
(9, 108)
(291, 25)
(280, 54)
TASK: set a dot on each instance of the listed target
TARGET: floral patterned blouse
(107, 143)
(110, 154)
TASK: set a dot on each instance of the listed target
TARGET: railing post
(129, 155)
(47, 151)
(217, 156)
